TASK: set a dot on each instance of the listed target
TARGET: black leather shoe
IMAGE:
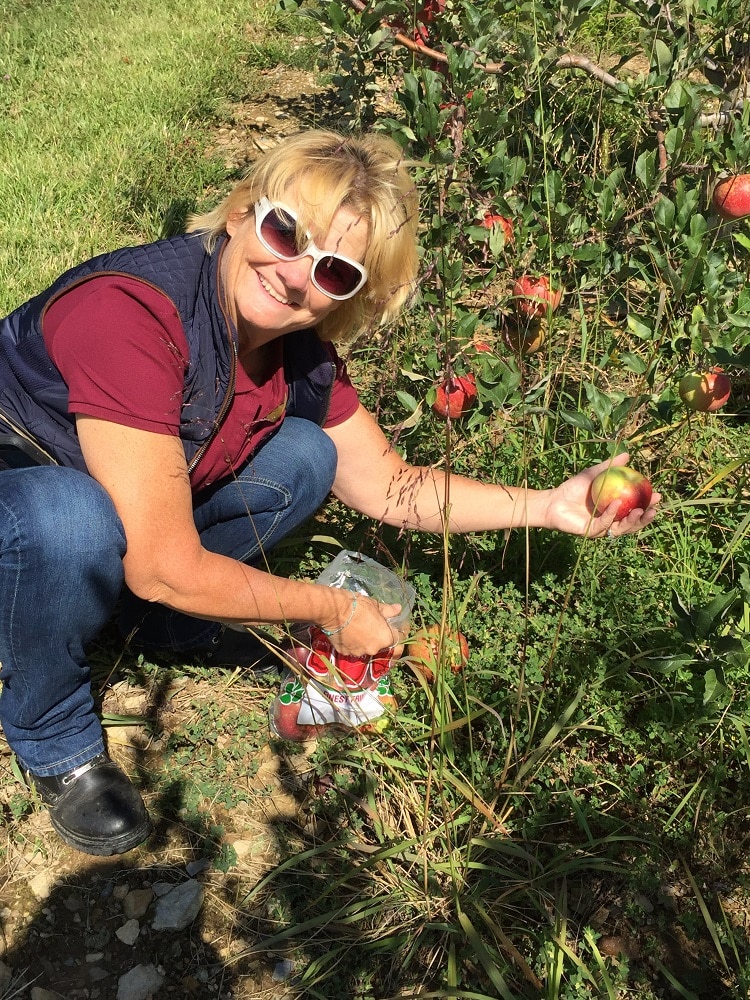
(240, 648)
(95, 808)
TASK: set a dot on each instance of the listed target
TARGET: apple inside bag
(324, 689)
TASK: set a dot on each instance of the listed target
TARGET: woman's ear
(235, 220)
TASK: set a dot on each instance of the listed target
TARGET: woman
(193, 411)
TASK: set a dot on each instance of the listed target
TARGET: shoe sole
(104, 849)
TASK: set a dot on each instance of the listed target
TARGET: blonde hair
(367, 175)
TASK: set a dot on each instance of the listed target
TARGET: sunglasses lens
(336, 276)
(280, 233)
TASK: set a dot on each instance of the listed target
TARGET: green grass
(104, 114)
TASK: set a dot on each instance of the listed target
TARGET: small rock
(129, 932)
(97, 974)
(283, 971)
(139, 984)
(137, 902)
(121, 891)
(42, 884)
(243, 848)
(615, 944)
(37, 993)
(194, 868)
(644, 902)
(178, 908)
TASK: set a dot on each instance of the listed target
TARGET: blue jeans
(61, 577)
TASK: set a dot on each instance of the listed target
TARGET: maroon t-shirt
(121, 349)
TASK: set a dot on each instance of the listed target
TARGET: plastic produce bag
(326, 690)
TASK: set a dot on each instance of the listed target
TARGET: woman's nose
(295, 273)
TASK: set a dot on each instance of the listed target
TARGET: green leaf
(407, 400)
(645, 168)
(662, 56)
(713, 688)
(577, 419)
(664, 213)
(639, 327)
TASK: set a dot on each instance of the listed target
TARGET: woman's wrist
(340, 628)
(341, 615)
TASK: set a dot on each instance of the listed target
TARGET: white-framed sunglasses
(336, 276)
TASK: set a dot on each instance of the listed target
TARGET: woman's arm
(373, 478)
(146, 476)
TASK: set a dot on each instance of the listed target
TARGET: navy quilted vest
(34, 398)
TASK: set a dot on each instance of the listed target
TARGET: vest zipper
(226, 403)
(27, 437)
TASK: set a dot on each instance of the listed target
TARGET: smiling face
(267, 296)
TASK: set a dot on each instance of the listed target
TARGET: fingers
(636, 520)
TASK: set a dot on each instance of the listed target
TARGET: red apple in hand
(455, 396)
(621, 485)
(535, 296)
(425, 650)
(705, 391)
(731, 197)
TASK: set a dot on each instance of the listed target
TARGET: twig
(571, 60)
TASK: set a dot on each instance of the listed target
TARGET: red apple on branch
(731, 197)
(705, 391)
(493, 219)
(425, 649)
(621, 485)
(430, 11)
(455, 396)
(534, 296)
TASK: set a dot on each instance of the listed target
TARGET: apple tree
(597, 133)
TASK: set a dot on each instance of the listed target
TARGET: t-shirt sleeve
(344, 397)
(120, 347)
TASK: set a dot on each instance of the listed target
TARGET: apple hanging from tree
(456, 395)
(425, 649)
(731, 197)
(493, 219)
(621, 485)
(705, 391)
(430, 11)
(535, 296)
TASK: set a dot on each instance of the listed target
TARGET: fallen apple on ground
(425, 650)
(455, 396)
(525, 338)
(705, 391)
(621, 485)
(534, 297)
(731, 197)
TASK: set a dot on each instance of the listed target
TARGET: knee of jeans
(66, 511)
(317, 459)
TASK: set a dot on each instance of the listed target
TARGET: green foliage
(602, 724)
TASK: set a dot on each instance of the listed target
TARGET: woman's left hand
(569, 507)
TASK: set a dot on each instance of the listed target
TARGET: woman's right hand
(361, 627)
